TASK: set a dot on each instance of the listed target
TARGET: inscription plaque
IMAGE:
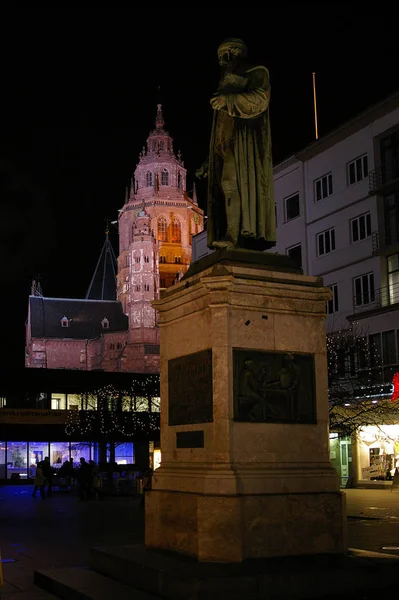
(190, 439)
(190, 389)
(273, 387)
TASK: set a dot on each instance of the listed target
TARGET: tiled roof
(84, 317)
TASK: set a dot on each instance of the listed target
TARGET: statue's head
(230, 50)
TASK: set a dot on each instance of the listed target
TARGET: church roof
(103, 283)
(75, 319)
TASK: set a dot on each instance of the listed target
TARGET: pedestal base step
(159, 574)
(83, 584)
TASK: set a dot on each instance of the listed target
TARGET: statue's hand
(202, 172)
(218, 102)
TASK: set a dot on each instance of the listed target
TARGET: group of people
(86, 475)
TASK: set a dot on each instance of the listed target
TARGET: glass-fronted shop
(18, 459)
(378, 452)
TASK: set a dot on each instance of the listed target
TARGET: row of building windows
(323, 187)
(360, 229)
(364, 292)
(153, 178)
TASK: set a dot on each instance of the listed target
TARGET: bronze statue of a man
(241, 209)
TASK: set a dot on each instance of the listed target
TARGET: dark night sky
(79, 95)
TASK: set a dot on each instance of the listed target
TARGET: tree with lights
(111, 416)
(358, 392)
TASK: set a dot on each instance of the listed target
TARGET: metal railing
(379, 298)
(382, 176)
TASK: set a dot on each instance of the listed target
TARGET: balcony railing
(382, 176)
(380, 298)
(375, 241)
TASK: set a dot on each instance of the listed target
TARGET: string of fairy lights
(111, 411)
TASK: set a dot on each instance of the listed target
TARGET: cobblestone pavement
(59, 531)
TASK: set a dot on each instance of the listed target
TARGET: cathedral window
(119, 346)
(162, 259)
(149, 179)
(64, 322)
(165, 177)
(179, 181)
(138, 288)
(162, 145)
(176, 231)
(147, 259)
(105, 323)
(162, 229)
(112, 346)
(178, 260)
(146, 287)
(137, 259)
(154, 146)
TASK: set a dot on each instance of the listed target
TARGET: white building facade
(337, 209)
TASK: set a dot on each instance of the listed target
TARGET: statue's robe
(241, 135)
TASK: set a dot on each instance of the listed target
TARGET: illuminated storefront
(378, 452)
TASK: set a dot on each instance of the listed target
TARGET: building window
(138, 287)
(295, 252)
(64, 322)
(149, 179)
(147, 259)
(119, 346)
(3, 402)
(162, 145)
(162, 229)
(179, 181)
(178, 260)
(162, 259)
(323, 187)
(292, 209)
(176, 231)
(332, 305)
(146, 287)
(154, 146)
(325, 242)
(112, 346)
(361, 227)
(393, 278)
(165, 177)
(137, 259)
(391, 214)
(358, 169)
(105, 323)
(364, 289)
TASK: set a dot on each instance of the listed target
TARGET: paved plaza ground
(60, 530)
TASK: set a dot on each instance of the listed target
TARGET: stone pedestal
(245, 469)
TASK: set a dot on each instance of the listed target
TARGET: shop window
(17, 460)
(59, 453)
(79, 450)
(124, 453)
(2, 460)
(37, 452)
(58, 401)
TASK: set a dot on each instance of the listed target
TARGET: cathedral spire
(159, 121)
(103, 283)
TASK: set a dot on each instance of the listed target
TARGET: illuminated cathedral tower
(155, 229)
